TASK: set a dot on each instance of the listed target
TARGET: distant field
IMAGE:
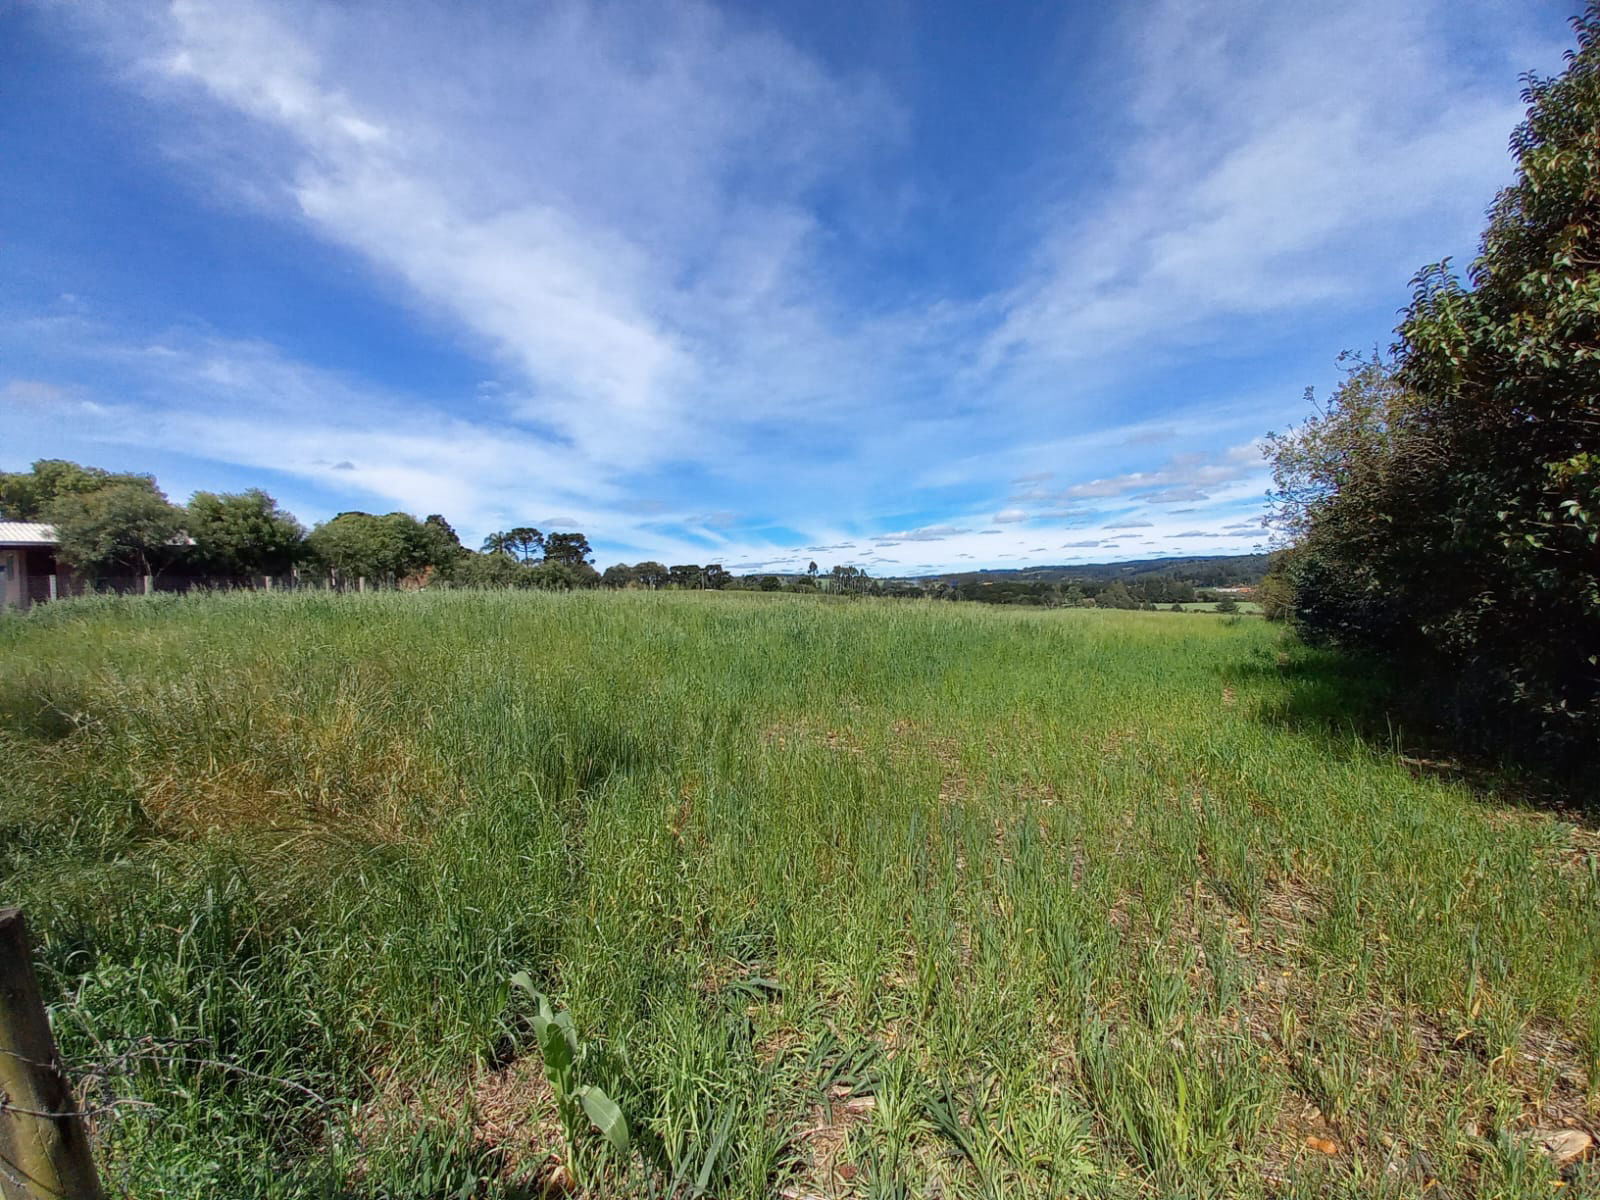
(1246, 607)
(846, 898)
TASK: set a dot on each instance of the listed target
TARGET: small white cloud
(35, 393)
(1177, 495)
(1183, 475)
(927, 533)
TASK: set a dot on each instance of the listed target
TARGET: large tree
(442, 544)
(118, 528)
(652, 574)
(568, 549)
(241, 535)
(361, 545)
(523, 543)
(1454, 502)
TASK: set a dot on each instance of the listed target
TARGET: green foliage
(1276, 591)
(1001, 897)
(1446, 503)
(554, 574)
(490, 570)
(502, 570)
(852, 580)
(1115, 595)
(25, 495)
(1005, 898)
(117, 527)
(360, 545)
(523, 543)
(237, 536)
(652, 575)
(566, 1064)
(1137, 590)
(567, 549)
(442, 544)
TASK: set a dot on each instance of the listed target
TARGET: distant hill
(1199, 570)
(1202, 570)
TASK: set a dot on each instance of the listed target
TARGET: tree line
(1443, 508)
(1144, 593)
(117, 528)
(112, 527)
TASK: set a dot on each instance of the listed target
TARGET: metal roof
(26, 533)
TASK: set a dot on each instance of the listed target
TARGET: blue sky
(912, 287)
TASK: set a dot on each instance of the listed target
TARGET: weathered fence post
(44, 1147)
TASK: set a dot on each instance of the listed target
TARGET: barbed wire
(96, 1076)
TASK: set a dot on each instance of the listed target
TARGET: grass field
(845, 898)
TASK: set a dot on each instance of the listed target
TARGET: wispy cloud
(679, 246)
(1263, 174)
(1182, 477)
(579, 203)
(926, 533)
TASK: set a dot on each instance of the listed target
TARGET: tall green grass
(886, 899)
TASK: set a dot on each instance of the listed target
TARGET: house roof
(26, 533)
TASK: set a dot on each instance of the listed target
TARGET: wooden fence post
(44, 1147)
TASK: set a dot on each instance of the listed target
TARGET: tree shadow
(1357, 703)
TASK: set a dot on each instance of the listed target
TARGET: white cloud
(1177, 495)
(575, 200)
(34, 393)
(636, 219)
(1275, 157)
(927, 533)
(1182, 475)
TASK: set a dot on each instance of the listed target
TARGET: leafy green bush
(1447, 503)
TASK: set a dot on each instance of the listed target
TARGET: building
(29, 570)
